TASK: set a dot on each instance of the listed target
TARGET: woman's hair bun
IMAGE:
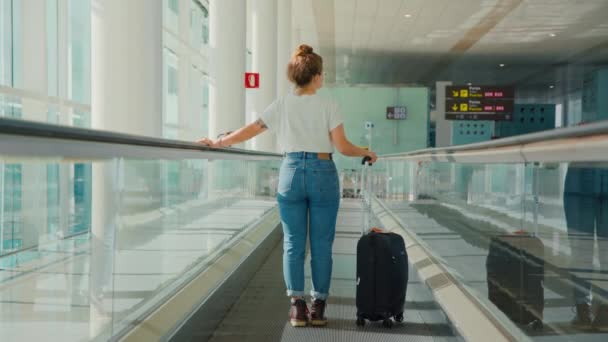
(303, 50)
(304, 65)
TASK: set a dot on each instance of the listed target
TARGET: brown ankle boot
(317, 315)
(582, 320)
(298, 315)
(600, 323)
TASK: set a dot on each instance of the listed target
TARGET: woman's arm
(238, 136)
(338, 138)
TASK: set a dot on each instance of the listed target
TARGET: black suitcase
(516, 270)
(382, 275)
(382, 271)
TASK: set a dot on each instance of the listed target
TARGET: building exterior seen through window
(66, 33)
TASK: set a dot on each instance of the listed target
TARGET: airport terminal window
(199, 101)
(76, 65)
(6, 43)
(171, 95)
(205, 27)
(10, 218)
(81, 220)
(171, 15)
(52, 47)
(174, 6)
(181, 79)
(68, 77)
(205, 109)
(80, 48)
(6, 56)
(199, 25)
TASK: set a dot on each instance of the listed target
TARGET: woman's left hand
(209, 142)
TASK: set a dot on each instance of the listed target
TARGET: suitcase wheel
(360, 321)
(537, 325)
(387, 323)
(399, 318)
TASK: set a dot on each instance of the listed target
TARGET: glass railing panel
(462, 212)
(96, 245)
(573, 222)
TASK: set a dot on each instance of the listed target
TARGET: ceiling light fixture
(551, 86)
(408, 15)
(552, 35)
(501, 65)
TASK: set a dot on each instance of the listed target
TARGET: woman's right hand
(209, 142)
(372, 155)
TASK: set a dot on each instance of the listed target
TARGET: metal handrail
(572, 144)
(28, 135)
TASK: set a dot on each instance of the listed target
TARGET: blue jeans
(586, 209)
(309, 196)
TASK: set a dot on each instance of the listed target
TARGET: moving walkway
(108, 236)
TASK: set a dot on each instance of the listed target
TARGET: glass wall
(171, 91)
(9, 104)
(67, 35)
(80, 51)
(484, 221)
(199, 25)
(185, 63)
(149, 236)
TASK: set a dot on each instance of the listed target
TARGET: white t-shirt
(302, 122)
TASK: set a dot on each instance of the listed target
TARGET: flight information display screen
(479, 103)
(396, 113)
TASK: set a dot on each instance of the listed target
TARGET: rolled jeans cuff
(318, 295)
(582, 299)
(292, 293)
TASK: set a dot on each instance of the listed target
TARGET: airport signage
(252, 80)
(396, 113)
(479, 103)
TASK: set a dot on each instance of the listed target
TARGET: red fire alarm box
(252, 80)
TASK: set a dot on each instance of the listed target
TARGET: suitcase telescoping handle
(367, 201)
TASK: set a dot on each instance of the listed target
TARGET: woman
(308, 127)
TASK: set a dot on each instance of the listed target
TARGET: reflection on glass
(586, 211)
(528, 241)
(97, 245)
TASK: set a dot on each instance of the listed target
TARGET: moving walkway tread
(260, 313)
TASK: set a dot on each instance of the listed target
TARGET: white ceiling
(371, 41)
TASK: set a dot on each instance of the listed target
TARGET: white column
(126, 96)
(264, 49)
(106, 190)
(283, 45)
(227, 51)
(126, 52)
(227, 62)
(66, 170)
(443, 127)
(33, 28)
(34, 71)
